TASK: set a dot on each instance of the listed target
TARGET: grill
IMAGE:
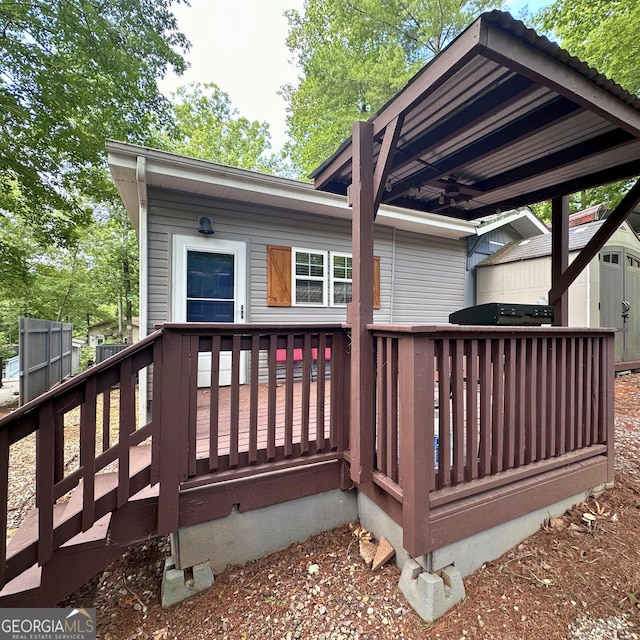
(503, 313)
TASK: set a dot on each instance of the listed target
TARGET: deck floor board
(224, 416)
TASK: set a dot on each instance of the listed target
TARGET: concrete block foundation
(431, 594)
(241, 537)
(179, 584)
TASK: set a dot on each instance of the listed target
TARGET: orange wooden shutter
(376, 282)
(278, 276)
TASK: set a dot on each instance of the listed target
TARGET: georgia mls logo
(47, 624)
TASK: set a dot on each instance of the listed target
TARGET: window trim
(333, 279)
(295, 277)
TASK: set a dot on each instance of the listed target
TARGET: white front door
(210, 286)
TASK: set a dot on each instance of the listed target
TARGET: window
(309, 277)
(341, 279)
(613, 258)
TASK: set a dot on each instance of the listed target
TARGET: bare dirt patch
(577, 569)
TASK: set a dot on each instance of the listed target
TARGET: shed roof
(540, 246)
(502, 118)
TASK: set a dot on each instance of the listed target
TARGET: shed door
(631, 305)
(620, 300)
(210, 286)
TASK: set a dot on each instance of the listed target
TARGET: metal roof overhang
(502, 118)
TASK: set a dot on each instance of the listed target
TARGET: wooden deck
(310, 421)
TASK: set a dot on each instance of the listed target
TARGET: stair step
(97, 533)
(27, 533)
(28, 580)
(139, 458)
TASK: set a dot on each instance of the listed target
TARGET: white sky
(240, 45)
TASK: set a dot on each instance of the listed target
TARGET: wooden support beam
(591, 249)
(559, 257)
(361, 311)
(385, 160)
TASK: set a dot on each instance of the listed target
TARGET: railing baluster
(306, 392)
(444, 415)
(156, 409)
(235, 403)
(570, 406)
(381, 400)
(457, 393)
(253, 399)
(609, 411)
(484, 462)
(272, 398)
(392, 408)
(58, 447)
(127, 413)
(551, 394)
(579, 393)
(214, 405)
(531, 405)
(510, 430)
(588, 385)
(45, 477)
(472, 409)
(320, 399)
(288, 399)
(106, 419)
(561, 397)
(595, 397)
(88, 452)
(543, 399)
(522, 385)
(497, 417)
(192, 413)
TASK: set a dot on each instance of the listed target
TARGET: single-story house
(225, 244)
(605, 294)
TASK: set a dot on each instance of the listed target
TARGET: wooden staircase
(88, 552)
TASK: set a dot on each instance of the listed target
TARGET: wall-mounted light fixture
(206, 228)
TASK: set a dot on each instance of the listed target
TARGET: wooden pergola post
(362, 436)
(559, 257)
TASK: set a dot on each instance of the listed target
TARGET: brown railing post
(416, 415)
(173, 412)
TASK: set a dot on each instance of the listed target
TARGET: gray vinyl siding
(429, 272)
(429, 278)
(478, 248)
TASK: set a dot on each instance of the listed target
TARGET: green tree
(75, 72)
(355, 55)
(603, 33)
(205, 125)
(95, 278)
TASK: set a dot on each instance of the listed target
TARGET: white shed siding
(528, 282)
(429, 277)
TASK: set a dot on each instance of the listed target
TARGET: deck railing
(465, 410)
(87, 430)
(285, 403)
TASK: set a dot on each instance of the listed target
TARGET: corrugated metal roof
(501, 119)
(540, 246)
